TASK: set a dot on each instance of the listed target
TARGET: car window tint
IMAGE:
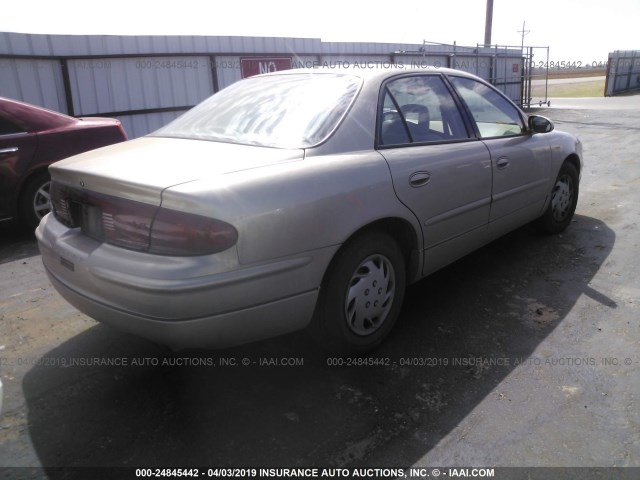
(494, 115)
(393, 129)
(285, 111)
(7, 127)
(419, 109)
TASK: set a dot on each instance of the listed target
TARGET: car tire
(361, 295)
(563, 201)
(34, 201)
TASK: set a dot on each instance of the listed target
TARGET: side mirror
(539, 124)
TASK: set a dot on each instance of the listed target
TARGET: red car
(31, 139)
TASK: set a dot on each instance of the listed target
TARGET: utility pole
(487, 24)
(523, 32)
(526, 85)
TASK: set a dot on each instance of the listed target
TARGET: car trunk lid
(114, 194)
(141, 169)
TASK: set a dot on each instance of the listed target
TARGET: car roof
(370, 70)
(32, 118)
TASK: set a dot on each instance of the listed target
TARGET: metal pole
(504, 89)
(523, 84)
(546, 80)
(487, 24)
(529, 60)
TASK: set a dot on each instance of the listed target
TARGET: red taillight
(121, 222)
(180, 233)
(140, 226)
(60, 203)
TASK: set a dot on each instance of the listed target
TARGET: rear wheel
(361, 295)
(35, 202)
(564, 198)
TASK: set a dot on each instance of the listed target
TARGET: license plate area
(91, 221)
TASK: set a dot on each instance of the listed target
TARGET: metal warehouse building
(146, 81)
(623, 72)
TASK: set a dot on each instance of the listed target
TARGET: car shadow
(16, 242)
(283, 403)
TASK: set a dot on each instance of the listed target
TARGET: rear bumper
(216, 331)
(210, 301)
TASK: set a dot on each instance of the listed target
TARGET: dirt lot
(525, 353)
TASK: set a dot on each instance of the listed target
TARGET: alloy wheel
(42, 200)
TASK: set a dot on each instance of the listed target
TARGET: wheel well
(22, 209)
(404, 234)
(574, 160)
(27, 180)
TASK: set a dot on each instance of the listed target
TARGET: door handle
(419, 179)
(8, 150)
(502, 162)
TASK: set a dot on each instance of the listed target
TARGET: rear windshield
(285, 111)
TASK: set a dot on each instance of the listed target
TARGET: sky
(576, 31)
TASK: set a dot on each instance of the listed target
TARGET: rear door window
(419, 109)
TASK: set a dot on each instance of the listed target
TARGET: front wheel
(361, 295)
(564, 198)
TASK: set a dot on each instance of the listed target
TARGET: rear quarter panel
(285, 209)
(54, 145)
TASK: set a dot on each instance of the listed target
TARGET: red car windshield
(284, 111)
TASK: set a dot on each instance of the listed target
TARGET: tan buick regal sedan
(300, 199)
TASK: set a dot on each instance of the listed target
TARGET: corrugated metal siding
(507, 76)
(370, 48)
(123, 84)
(476, 65)
(363, 61)
(228, 70)
(422, 61)
(34, 81)
(139, 125)
(100, 45)
(305, 61)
